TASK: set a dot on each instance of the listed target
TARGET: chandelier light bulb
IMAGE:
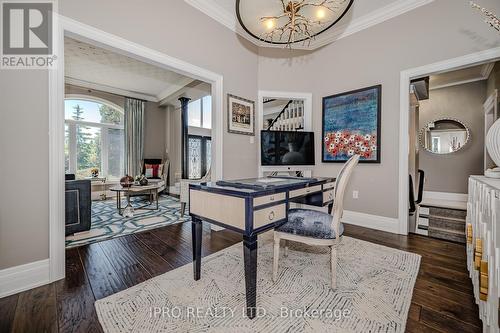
(320, 13)
(269, 24)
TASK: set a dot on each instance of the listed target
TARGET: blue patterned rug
(107, 223)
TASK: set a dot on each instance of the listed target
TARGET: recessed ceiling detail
(287, 22)
(363, 14)
(461, 76)
(97, 68)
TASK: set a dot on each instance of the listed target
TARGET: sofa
(78, 202)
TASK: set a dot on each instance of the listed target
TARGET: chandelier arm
(264, 18)
(283, 4)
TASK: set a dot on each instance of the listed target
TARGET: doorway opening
(58, 83)
(450, 114)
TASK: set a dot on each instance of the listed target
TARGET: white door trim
(68, 27)
(405, 77)
(306, 97)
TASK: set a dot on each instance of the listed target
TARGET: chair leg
(333, 265)
(183, 208)
(276, 256)
(285, 252)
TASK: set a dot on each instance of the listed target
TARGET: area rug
(375, 285)
(107, 223)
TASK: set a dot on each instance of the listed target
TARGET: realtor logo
(27, 35)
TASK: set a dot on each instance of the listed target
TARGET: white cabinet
(483, 247)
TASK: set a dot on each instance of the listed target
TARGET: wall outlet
(355, 194)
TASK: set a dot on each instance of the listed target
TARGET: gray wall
(449, 172)
(154, 131)
(24, 154)
(440, 30)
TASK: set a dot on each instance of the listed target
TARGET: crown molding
(165, 94)
(228, 19)
(485, 74)
(369, 20)
(216, 12)
(487, 69)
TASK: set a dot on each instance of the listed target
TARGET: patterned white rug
(375, 285)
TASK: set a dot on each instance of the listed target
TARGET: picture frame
(240, 115)
(351, 124)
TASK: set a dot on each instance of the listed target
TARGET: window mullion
(72, 147)
(104, 150)
(201, 112)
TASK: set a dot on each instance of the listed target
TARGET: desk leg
(250, 258)
(196, 230)
(330, 207)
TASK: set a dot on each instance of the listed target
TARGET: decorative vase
(128, 212)
(493, 147)
(126, 181)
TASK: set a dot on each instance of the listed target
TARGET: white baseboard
(445, 196)
(377, 222)
(20, 278)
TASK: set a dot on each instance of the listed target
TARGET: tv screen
(287, 148)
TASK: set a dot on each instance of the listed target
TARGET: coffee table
(150, 190)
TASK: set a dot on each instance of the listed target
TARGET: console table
(483, 247)
(250, 207)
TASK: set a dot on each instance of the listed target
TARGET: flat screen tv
(286, 148)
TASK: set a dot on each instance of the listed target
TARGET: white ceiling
(461, 76)
(94, 67)
(362, 15)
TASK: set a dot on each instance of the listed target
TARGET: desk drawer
(304, 191)
(268, 199)
(268, 215)
(328, 196)
(328, 186)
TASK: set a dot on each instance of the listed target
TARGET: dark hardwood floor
(442, 299)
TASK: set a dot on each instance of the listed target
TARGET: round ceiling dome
(287, 22)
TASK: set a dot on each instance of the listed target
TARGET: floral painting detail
(351, 125)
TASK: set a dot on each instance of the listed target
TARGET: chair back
(340, 186)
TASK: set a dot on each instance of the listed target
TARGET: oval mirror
(444, 136)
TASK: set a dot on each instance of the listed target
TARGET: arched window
(94, 137)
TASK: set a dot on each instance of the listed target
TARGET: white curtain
(134, 136)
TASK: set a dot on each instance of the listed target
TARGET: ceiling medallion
(288, 22)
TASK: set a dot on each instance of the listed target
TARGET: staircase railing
(279, 115)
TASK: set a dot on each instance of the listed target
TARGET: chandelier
(286, 22)
(491, 18)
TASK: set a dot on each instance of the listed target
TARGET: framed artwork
(241, 115)
(351, 125)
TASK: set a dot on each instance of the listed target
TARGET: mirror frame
(422, 131)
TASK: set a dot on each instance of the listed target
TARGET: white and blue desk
(250, 207)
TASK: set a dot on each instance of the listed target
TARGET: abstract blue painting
(351, 125)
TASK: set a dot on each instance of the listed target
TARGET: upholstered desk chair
(317, 228)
